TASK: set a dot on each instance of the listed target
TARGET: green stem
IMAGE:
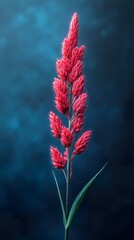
(68, 182)
(66, 234)
(68, 166)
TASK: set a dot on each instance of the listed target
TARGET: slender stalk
(66, 234)
(64, 174)
(68, 183)
(68, 165)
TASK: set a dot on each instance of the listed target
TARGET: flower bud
(66, 137)
(82, 142)
(55, 125)
(80, 103)
(57, 159)
(78, 86)
(77, 123)
(61, 103)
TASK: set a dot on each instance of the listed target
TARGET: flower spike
(73, 30)
(70, 100)
(69, 97)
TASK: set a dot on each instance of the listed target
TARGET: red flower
(78, 86)
(82, 142)
(69, 98)
(59, 86)
(80, 103)
(77, 54)
(66, 48)
(66, 153)
(73, 31)
(76, 72)
(63, 67)
(77, 123)
(57, 159)
(55, 124)
(66, 137)
(61, 102)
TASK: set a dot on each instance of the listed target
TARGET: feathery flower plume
(66, 48)
(59, 86)
(70, 100)
(68, 88)
(79, 105)
(76, 72)
(63, 68)
(77, 54)
(57, 159)
(77, 123)
(73, 31)
(82, 142)
(66, 137)
(61, 102)
(78, 86)
(55, 125)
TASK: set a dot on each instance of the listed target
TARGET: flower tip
(83, 48)
(74, 19)
(89, 133)
(51, 115)
(75, 15)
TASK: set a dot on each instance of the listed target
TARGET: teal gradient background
(31, 33)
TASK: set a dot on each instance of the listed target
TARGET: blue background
(31, 33)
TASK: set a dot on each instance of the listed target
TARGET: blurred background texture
(31, 32)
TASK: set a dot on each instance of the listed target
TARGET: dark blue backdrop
(31, 32)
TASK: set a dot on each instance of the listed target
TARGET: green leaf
(78, 200)
(61, 201)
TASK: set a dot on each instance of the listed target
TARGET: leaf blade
(60, 198)
(78, 200)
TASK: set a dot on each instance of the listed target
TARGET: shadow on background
(31, 33)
